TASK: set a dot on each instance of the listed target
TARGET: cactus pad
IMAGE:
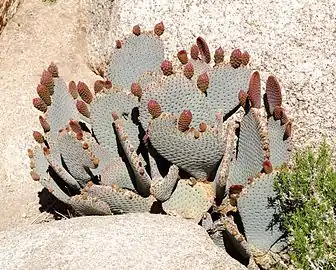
(196, 155)
(190, 200)
(259, 216)
(137, 54)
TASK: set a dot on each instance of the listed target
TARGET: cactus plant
(190, 141)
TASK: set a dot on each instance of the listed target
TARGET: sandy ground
(295, 40)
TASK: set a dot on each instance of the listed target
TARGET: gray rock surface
(132, 241)
(294, 40)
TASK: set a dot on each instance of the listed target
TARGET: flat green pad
(259, 215)
(190, 202)
(137, 55)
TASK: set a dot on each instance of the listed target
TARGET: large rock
(132, 241)
(7, 10)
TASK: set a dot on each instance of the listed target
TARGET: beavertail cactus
(190, 141)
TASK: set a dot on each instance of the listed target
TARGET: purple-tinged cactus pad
(273, 94)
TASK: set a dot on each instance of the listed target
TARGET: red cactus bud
(35, 176)
(73, 89)
(46, 150)
(219, 55)
(159, 29)
(40, 104)
(288, 131)
(277, 113)
(188, 70)
(154, 108)
(235, 189)
(53, 69)
(84, 92)
(202, 127)
(250, 180)
(75, 126)
(267, 167)
(245, 58)
(242, 96)
(83, 108)
(136, 90)
(115, 116)
(38, 137)
(235, 58)
(203, 82)
(284, 118)
(184, 120)
(85, 145)
(98, 86)
(273, 93)
(254, 91)
(47, 80)
(44, 94)
(108, 84)
(183, 57)
(79, 136)
(45, 125)
(194, 52)
(167, 67)
(136, 30)
(118, 44)
(204, 49)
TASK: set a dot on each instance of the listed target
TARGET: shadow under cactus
(50, 204)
